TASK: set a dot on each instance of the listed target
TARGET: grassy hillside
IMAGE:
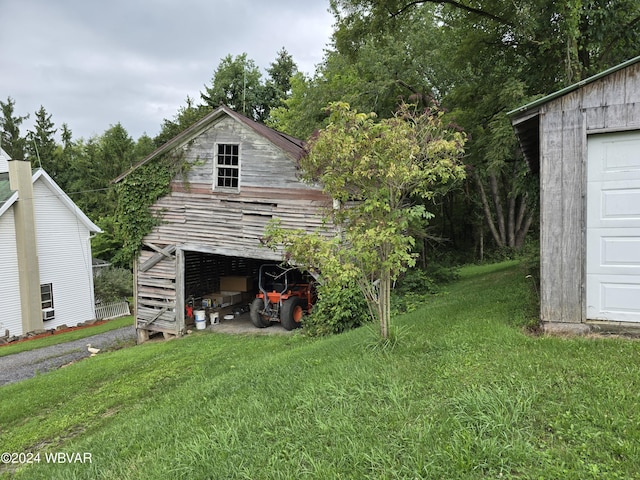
(464, 394)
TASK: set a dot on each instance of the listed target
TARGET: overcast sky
(94, 63)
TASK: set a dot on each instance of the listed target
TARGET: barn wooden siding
(609, 104)
(196, 217)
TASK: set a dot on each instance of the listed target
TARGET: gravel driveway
(23, 365)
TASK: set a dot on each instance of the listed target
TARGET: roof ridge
(274, 136)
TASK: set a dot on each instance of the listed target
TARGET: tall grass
(464, 393)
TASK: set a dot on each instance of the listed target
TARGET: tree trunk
(521, 211)
(511, 219)
(487, 211)
(522, 233)
(497, 200)
(384, 304)
(509, 228)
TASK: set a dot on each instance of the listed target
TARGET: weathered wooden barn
(584, 141)
(241, 175)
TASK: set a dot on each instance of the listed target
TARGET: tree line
(84, 168)
(476, 61)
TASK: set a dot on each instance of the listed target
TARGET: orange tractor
(285, 296)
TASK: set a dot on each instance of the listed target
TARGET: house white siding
(4, 158)
(10, 314)
(64, 252)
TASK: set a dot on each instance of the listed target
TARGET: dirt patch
(48, 333)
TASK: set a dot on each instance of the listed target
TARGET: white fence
(112, 310)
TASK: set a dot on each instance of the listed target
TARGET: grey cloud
(93, 64)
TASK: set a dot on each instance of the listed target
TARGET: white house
(45, 252)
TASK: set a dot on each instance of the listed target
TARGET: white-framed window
(46, 295)
(227, 167)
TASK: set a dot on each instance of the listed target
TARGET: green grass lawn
(465, 393)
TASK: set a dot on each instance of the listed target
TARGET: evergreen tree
(41, 144)
(66, 155)
(10, 139)
(277, 88)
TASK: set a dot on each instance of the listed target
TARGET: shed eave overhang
(541, 101)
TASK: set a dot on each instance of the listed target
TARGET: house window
(227, 169)
(46, 295)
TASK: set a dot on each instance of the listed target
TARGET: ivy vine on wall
(137, 192)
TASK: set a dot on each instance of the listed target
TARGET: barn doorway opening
(218, 284)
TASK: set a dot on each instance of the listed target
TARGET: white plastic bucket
(215, 318)
(201, 319)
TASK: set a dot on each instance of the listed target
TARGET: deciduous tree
(480, 60)
(186, 116)
(374, 171)
(237, 84)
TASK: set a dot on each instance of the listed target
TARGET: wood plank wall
(609, 104)
(195, 216)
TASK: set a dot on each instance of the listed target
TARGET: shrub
(416, 286)
(338, 308)
(112, 284)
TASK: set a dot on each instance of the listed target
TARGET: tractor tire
(292, 312)
(257, 318)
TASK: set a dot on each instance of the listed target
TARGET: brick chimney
(26, 245)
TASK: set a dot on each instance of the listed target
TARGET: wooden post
(26, 245)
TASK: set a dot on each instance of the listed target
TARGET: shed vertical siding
(572, 210)
(10, 314)
(551, 221)
(611, 103)
(64, 254)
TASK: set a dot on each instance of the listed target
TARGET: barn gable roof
(292, 146)
(525, 119)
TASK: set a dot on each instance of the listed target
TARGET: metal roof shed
(584, 141)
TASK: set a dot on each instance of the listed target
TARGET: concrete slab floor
(241, 324)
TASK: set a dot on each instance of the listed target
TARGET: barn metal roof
(571, 88)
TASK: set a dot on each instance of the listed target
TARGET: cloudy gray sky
(93, 63)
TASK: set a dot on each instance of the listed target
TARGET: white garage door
(613, 227)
